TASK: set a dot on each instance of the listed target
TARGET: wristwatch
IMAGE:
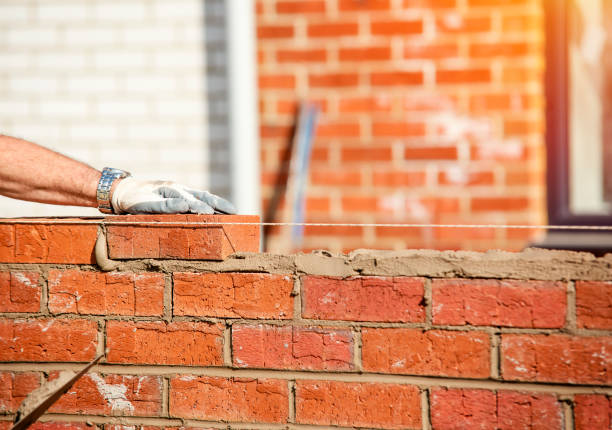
(103, 192)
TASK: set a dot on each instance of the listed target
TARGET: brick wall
(120, 83)
(432, 113)
(411, 339)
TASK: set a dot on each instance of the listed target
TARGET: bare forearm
(31, 172)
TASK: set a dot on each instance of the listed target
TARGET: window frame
(557, 120)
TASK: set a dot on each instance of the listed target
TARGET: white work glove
(165, 197)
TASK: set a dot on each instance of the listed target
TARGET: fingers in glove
(217, 203)
(166, 206)
(195, 206)
(198, 207)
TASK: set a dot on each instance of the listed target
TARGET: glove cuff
(105, 185)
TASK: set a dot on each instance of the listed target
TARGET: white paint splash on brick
(24, 279)
(48, 326)
(114, 394)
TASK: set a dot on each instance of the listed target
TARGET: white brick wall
(115, 82)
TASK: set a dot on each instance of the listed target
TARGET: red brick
(430, 153)
(485, 204)
(396, 27)
(433, 4)
(275, 31)
(398, 178)
(234, 399)
(300, 7)
(233, 295)
(529, 304)
(359, 204)
(556, 358)
(47, 243)
(484, 3)
(335, 177)
(514, 127)
(397, 78)
(592, 412)
(338, 129)
(594, 305)
(116, 395)
(364, 104)
(360, 5)
(371, 405)
(208, 241)
(418, 50)
(537, 411)
(19, 292)
(505, 50)
(398, 129)
(363, 299)
(504, 410)
(301, 56)
(48, 340)
(279, 82)
(333, 29)
(115, 293)
(522, 23)
(157, 342)
(14, 387)
(273, 347)
(471, 178)
(433, 352)
(463, 25)
(368, 153)
(463, 76)
(7, 243)
(327, 80)
(370, 53)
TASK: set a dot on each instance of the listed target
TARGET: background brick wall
(432, 112)
(120, 83)
(417, 340)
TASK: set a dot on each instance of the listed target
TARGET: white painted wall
(118, 83)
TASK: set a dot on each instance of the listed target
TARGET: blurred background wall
(432, 112)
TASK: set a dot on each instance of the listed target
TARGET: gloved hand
(165, 197)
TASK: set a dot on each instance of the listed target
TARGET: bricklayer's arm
(31, 172)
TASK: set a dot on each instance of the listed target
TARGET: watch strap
(103, 192)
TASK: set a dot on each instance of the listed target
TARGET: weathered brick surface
(208, 241)
(47, 340)
(556, 358)
(19, 292)
(50, 425)
(297, 348)
(233, 295)
(504, 410)
(75, 291)
(116, 395)
(371, 405)
(363, 299)
(14, 387)
(418, 352)
(235, 399)
(185, 343)
(594, 305)
(531, 304)
(47, 243)
(592, 412)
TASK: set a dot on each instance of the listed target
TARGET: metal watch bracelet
(103, 192)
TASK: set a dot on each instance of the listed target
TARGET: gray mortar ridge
(536, 264)
(531, 263)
